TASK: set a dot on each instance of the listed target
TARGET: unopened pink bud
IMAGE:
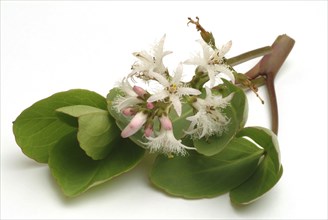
(139, 91)
(150, 105)
(166, 123)
(135, 124)
(129, 112)
(148, 130)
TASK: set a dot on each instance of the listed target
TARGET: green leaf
(97, 134)
(268, 172)
(97, 131)
(267, 140)
(38, 128)
(237, 113)
(199, 176)
(75, 172)
(258, 184)
(80, 110)
(238, 102)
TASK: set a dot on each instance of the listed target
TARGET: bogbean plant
(195, 128)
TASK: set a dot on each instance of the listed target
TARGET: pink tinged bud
(150, 105)
(166, 123)
(129, 112)
(148, 130)
(139, 91)
(135, 124)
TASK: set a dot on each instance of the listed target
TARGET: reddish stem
(268, 67)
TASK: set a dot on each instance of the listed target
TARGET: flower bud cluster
(150, 112)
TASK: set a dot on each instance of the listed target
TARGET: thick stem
(268, 67)
(271, 63)
(273, 103)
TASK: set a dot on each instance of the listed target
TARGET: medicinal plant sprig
(195, 129)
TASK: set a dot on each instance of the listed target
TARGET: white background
(47, 47)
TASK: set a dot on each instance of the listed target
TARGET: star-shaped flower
(150, 62)
(209, 119)
(129, 99)
(165, 142)
(213, 61)
(174, 89)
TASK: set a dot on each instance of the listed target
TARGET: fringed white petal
(122, 102)
(226, 70)
(143, 56)
(188, 91)
(127, 88)
(225, 48)
(176, 104)
(196, 60)
(211, 76)
(158, 96)
(166, 143)
(178, 74)
(161, 79)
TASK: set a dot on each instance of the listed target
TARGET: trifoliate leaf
(267, 174)
(37, 129)
(97, 130)
(75, 172)
(258, 184)
(267, 140)
(199, 176)
(80, 110)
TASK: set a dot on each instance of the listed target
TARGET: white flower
(129, 99)
(165, 142)
(174, 89)
(127, 88)
(150, 62)
(209, 119)
(213, 61)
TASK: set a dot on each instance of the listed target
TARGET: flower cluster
(154, 112)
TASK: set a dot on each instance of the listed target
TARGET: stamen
(172, 88)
